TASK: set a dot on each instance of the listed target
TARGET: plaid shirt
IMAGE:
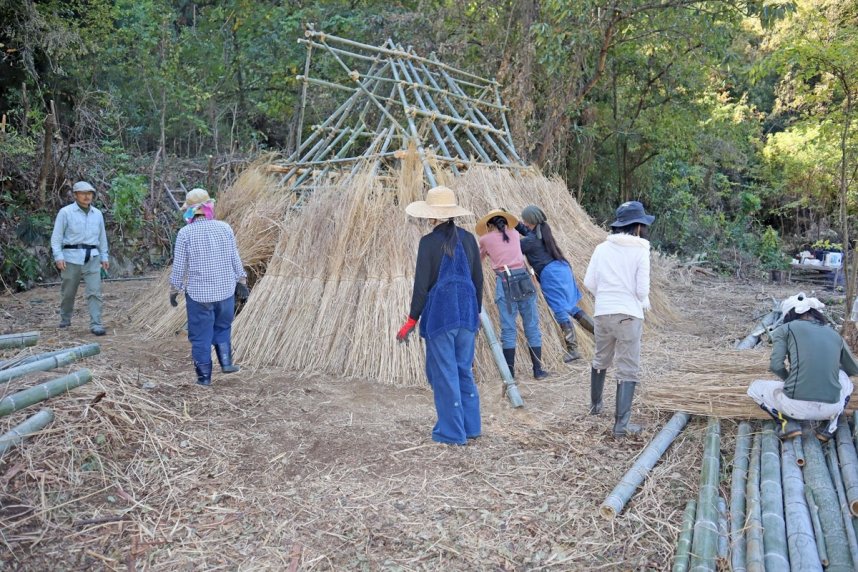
(206, 264)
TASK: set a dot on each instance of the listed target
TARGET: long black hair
(499, 222)
(814, 314)
(550, 244)
(632, 229)
(451, 237)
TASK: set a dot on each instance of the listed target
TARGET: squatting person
(618, 277)
(447, 299)
(208, 268)
(816, 385)
(79, 245)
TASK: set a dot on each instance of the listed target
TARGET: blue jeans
(208, 323)
(560, 290)
(508, 312)
(449, 367)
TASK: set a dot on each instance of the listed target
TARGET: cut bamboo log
(772, 501)
(49, 363)
(818, 479)
(738, 484)
(798, 449)
(617, 499)
(801, 544)
(683, 543)
(36, 357)
(510, 387)
(33, 395)
(18, 340)
(723, 539)
(848, 464)
(819, 536)
(755, 553)
(20, 432)
(843, 503)
(704, 545)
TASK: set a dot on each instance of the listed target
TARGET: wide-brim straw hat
(482, 224)
(440, 204)
(196, 197)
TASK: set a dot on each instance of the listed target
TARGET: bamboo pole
(818, 479)
(506, 124)
(772, 501)
(430, 176)
(49, 363)
(819, 536)
(705, 541)
(26, 339)
(36, 357)
(723, 537)
(754, 551)
(799, 452)
(510, 387)
(848, 464)
(843, 503)
(303, 96)
(738, 484)
(41, 392)
(20, 432)
(801, 544)
(683, 544)
(632, 479)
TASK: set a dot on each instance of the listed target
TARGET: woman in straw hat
(555, 276)
(447, 299)
(514, 291)
(208, 268)
(618, 277)
(816, 385)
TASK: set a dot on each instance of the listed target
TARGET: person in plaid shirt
(207, 267)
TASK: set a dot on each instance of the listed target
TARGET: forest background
(731, 120)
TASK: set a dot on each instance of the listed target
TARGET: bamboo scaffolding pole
(772, 501)
(325, 38)
(506, 124)
(723, 536)
(20, 432)
(843, 503)
(683, 543)
(799, 451)
(342, 161)
(421, 152)
(303, 96)
(754, 550)
(848, 464)
(41, 392)
(801, 544)
(704, 544)
(21, 360)
(818, 479)
(387, 139)
(26, 339)
(738, 484)
(49, 363)
(632, 479)
(819, 536)
(363, 132)
(510, 387)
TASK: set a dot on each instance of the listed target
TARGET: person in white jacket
(618, 277)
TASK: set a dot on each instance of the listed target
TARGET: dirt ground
(267, 470)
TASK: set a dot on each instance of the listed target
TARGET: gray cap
(83, 187)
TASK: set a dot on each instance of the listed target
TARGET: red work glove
(402, 335)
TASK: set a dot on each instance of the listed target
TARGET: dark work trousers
(449, 367)
(208, 323)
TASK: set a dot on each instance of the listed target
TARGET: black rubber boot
(509, 354)
(786, 428)
(571, 342)
(224, 356)
(536, 359)
(586, 321)
(597, 384)
(625, 395)
(204, 373)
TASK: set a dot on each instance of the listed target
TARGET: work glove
(407, 327)
(173, 301)
(242, 292)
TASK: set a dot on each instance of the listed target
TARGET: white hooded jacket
(618, 276)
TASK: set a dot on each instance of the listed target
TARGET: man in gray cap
(79, 245)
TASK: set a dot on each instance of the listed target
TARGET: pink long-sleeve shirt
(502, 253)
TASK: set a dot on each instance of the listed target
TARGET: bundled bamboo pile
(339, 283)
(256, 214)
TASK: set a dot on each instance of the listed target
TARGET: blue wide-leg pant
(449, 367)
(560, 290)
(208, 323)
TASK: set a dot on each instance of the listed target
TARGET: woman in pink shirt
(514, 290)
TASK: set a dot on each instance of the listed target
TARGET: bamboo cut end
(607, 512)
(853, 507)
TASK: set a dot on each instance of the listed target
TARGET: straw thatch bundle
(339, 283)
(255, 214)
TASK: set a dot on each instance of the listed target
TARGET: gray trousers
(618, 341)
(91, 273)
